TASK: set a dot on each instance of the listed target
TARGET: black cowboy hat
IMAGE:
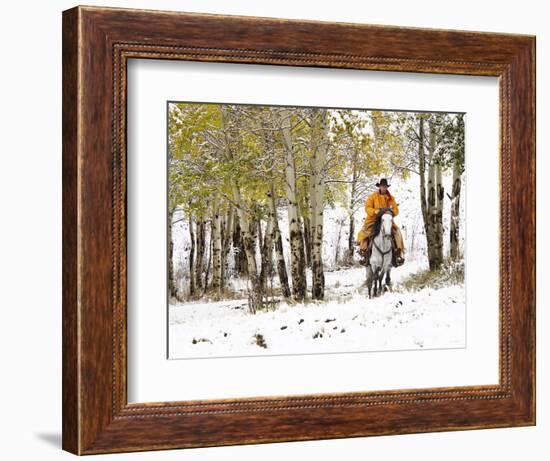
(383, 182)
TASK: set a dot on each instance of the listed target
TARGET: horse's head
(387, 221)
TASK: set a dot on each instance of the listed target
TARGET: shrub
(450, 273)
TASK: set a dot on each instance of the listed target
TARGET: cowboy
(377, 204)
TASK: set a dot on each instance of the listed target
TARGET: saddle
(396, 259)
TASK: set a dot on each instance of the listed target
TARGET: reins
(383, 253)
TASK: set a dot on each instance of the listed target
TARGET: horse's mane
(378, 224)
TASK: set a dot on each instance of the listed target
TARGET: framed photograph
(281, 230)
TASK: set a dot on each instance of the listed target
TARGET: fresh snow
(347, 321)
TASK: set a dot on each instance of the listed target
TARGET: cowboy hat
(383, 182)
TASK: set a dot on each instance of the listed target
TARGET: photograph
(304, 230)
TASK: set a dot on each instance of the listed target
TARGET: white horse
(381, 256)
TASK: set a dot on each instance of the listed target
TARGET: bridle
(383, 253)
(386, 236)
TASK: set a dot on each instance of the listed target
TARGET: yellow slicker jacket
(374, 202)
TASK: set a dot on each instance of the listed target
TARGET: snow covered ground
(347, 321)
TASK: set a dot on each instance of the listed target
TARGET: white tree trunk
(439, 215)
(352, 201)
(278, 245)
(191, 257)
(216, 247)
(267, 253)
(455, 212)
(255, 294)
(172, 290)
(227, 229)
(319, 132)
(201, 247)
(434, 206)
(297, 255)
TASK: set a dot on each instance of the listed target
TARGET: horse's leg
(378, 284)
(381, 282)
(388, 279)
(375, 281)
(374, 278)
(369, 280)
(369, 284)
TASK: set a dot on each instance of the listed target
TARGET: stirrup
(398, 261)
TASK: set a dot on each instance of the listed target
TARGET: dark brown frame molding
(97, 43)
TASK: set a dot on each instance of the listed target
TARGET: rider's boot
(397, 258)
(365, 256)
(364, 261)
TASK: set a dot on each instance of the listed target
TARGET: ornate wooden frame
(97, 43)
